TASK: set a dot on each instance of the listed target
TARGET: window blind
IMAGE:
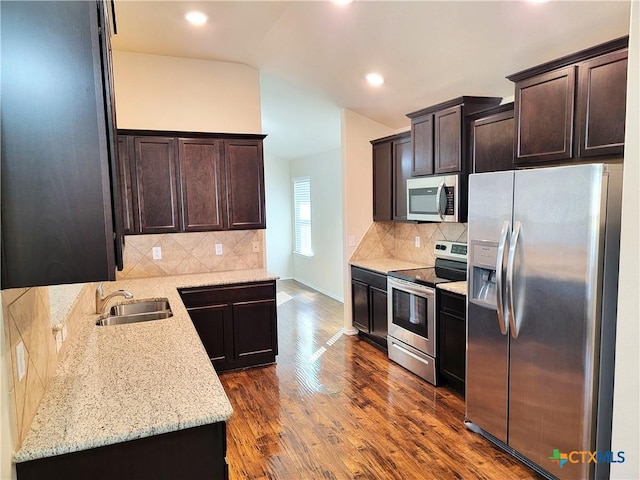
(302, 215)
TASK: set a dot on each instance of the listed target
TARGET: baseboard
(317, 289)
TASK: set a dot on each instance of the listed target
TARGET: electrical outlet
(256, 246)
(21, 365)
(417, 241)
(352, 240)
(156, 252)
(218, 249)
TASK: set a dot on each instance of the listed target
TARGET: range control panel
(451, 250)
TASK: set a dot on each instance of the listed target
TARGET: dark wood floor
(334, 407)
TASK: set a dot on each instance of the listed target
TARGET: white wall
(323, 271)
(357, 173)
(626, 414)
(279, 235)
(155, 92)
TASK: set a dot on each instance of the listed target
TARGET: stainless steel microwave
(433, 198)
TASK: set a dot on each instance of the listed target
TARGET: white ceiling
(312, 55)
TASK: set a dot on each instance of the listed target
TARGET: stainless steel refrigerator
(541, 314)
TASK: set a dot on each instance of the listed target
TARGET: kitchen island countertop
(123, 382)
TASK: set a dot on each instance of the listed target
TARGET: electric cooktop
(451, 266)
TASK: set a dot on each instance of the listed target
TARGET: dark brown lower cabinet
(198, 452)
(452, 339)
(237, 323)
(369, 305)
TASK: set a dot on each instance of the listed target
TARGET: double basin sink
(135, 312)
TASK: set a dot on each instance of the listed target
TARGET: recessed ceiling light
(374, 79)
(197, 18)
(342, 2)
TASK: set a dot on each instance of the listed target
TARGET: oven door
(412, 314)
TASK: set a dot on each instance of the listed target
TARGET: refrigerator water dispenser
(482, 280)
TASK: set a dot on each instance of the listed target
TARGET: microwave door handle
(438, 194)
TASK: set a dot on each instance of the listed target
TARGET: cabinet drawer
(373, 279)
(242, 292)
(453, 303)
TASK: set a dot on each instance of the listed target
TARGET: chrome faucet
(101, 300)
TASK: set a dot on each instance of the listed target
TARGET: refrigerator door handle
(509, 290)
(438, 195)
(504, 238)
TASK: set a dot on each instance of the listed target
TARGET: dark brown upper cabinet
(572, 107)
(244, 168)
(391, 167)
(382, 183)
(439, 135)
(126, 184)
(602, 102)
(60, 202)
(156, 184)
(190, 182)
(201, 179)
(401, 165)
(491, 142)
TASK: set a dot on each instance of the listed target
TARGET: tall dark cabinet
(60, 197)
(572, 108)
(392, 158)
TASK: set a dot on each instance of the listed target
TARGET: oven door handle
(411, 288)
(504, 238)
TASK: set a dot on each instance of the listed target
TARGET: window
(302, 215)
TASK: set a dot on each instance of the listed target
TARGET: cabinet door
(382, 181)
(214, 325)
(422, 138)
(544, 110)
(402, 157)
(125, 144)
(360, 305)
(602, 98)
(255, 332)
(452, 339)
(448, 140)
(202, 184)
(379, 327)
(156, 181)
(492, 143)
(57, 217)
(244, 167)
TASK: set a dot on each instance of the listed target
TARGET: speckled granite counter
(386, 265)
(455, 287)
(124, 382)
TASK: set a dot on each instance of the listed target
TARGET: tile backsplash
(194, 252)
(27, 318)
(397, 240)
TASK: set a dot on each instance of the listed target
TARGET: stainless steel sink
(141, 311)
(142, 306)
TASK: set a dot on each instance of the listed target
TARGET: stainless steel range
(412, 309)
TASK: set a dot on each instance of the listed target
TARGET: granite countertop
(123, 382)
(455, 287)
(386, 265)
